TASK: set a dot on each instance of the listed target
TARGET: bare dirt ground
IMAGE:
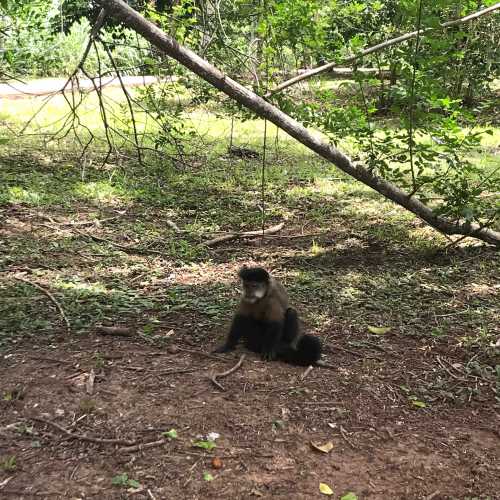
(383, 447)
(410, 414)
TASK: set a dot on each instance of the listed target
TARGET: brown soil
(384, 447)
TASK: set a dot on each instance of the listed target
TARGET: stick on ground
(226, 373)
(50, 296)
(82, 437)
(142, 446)
(247, 234)
(307, 372)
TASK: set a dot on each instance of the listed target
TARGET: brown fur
(272, 307)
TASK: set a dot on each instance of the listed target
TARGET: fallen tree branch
(81, 437)
(142, 446)
(246, 234)
(214, 378)
(132, 19)
(50, 296)
(127, 249)
(388, 43)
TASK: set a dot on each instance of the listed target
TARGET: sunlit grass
(97, 236)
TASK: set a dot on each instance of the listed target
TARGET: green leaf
(207, 476)
(172, 434)
(133, 483)
(120, 479)
(349, 496)
(206, 445)
(379, 330)
(419, 404)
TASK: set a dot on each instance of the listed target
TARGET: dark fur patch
(257, 274)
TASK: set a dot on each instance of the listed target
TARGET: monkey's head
(255, 282)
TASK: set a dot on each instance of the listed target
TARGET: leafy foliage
(418, 127)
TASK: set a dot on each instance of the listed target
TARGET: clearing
(412, 412)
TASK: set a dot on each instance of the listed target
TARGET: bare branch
(247, 234)
(50, 296)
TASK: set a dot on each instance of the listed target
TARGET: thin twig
(174, 372)
(246, 234)
(142, 446)
(50, 296)
(150, 494)
(226, 373)
(82, 437)
(307, 372)
(343, 433)
(127, 249)
(128, 97)
(432, 495)
(451, 374)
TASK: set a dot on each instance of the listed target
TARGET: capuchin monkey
(267, 324)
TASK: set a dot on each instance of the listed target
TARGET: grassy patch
(99, 239)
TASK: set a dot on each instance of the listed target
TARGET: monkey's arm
(238, 328)
(272, 339)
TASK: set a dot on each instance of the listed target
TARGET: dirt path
(46, 86)
(383, 447)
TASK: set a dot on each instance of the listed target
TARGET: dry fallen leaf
(379, 330)
(325, 448)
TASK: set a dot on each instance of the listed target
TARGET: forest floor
(411, 409)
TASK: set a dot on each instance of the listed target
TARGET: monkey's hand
(269, 355)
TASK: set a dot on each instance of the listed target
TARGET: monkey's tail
(308, 352)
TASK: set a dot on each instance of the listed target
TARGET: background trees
(413, 114)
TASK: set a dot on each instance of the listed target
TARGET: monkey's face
(253, 291)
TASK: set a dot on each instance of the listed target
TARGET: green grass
(350, 259)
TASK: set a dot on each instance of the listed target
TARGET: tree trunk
(132, 19)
